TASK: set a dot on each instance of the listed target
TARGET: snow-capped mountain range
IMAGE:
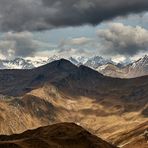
(134, 69)
(29, 63)
(102, 65)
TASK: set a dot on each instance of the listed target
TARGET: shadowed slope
(133, 138)
(18, 82)
(65, 135)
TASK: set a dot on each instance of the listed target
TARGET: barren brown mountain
(62, 135)
(62, 92)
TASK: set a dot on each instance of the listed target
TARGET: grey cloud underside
(20, 15)
(18, 44)
(123, 40)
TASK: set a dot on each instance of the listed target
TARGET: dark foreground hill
(62, 135)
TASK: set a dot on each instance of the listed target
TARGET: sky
(115, 29)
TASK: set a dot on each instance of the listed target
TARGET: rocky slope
(63, 92)
(65, 135)
(133, 138)
(135, 69)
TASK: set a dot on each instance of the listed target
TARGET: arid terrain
(113, 109)
(63, 135)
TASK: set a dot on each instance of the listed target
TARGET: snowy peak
(18, 63)
(136, 69)
(81, 59)
(74, 61)
(97, 61)
(143, 60)
(142, 63)
(139, 67)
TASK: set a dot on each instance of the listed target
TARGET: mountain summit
(105, 66)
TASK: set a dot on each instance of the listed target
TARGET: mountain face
(20, 63)
(63, 92)
(96, 62)
(138, 68)
(135, 69)
(17, 63)
(65, 135)
(134, 138)
(105, 66)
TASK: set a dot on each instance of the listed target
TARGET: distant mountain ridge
(135, 69)
(105, 66)
(21, 63)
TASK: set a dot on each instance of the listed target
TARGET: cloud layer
(21, 15)
(20, 44)
(116, 40)
(81, 41)
(123, 40)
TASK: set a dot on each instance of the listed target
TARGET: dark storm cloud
(20, 15)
